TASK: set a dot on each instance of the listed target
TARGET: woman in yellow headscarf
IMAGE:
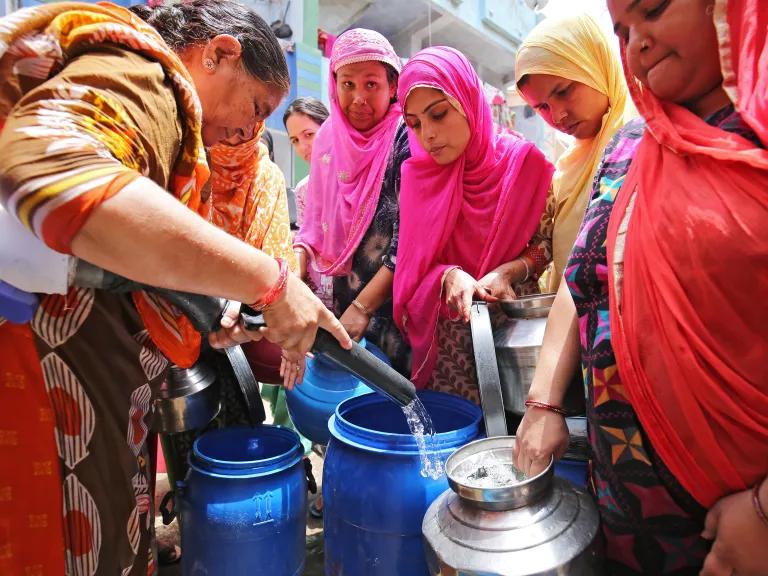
(567, 72)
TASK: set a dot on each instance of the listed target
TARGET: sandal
(314, 510)
(168, 555)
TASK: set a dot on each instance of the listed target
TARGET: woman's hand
(459, 289)
(232, 332)
(540, 435)
(740, 538)
(293, 320)
(292, 368)
(355, 322)
(500, 282)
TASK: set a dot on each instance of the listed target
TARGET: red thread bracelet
(545, 406)
(277, 289)
(757, 504)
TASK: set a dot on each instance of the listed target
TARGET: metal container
(187, 399)
(537, 526)
(518, 342)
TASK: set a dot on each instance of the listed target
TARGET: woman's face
(671, 47)
(233, 101)
(566, 105)
(302, 130)
(364, 93)
(441, 129)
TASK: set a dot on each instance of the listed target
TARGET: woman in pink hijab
(484, 194)
(350, 222)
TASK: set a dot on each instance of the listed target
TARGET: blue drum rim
(393, 443)
(248, 468)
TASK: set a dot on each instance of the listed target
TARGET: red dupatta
(689, 318)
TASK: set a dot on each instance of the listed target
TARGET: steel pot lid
(187, 399)
(185, 381)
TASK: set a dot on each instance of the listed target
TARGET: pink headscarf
(478, 212)
(348, 166)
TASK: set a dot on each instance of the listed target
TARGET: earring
(209, 64)
(710, 9)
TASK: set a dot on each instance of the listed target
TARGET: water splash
(420, 425)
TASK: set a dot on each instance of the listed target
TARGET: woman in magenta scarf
(471, 202)
(351, 215)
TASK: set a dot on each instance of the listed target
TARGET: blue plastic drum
(243, 504)
(374, 495)
(325, 386)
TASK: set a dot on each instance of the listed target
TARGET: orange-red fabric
(689, 318)
(30, 510)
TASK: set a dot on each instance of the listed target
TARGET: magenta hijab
(347, 167)
(478, 212)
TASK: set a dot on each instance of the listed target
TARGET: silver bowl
(533, 306)
(490, 451)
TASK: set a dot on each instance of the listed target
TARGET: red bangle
(545, 406)
(277, 289)
(758, 505)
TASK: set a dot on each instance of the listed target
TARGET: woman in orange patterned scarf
(101, 116)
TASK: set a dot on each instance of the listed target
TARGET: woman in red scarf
(673, 332)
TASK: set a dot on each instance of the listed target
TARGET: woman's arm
(93, 201)
(543, 433)
(356, 318)
(181, 251)
(531, 262)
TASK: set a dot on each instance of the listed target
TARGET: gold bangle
(362, 307)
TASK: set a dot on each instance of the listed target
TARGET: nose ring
(644, 45)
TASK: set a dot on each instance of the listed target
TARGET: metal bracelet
(362, 307)
(527, 269)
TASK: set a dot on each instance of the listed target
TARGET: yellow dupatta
(576, 48)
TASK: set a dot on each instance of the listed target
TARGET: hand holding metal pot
(460, 289)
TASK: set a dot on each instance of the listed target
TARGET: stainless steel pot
(187, 399)
(518, 342)
(530, 527)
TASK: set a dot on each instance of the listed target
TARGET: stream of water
(423, 430)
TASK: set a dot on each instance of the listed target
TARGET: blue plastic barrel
(243, 504)
(374, 495)
(325, 385)
(575, 470)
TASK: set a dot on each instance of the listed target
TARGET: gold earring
(209, 64)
